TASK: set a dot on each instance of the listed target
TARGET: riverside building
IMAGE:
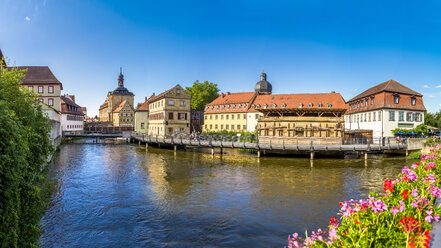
(169, 113)
(300, 118)
(232, 112)
(72, 117)
(142, 117)
(384, 107)
(117, 110)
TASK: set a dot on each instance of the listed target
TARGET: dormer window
(274, 105)
(366, 102)
(234, 106)
(257, 106)
(329, 105)
(396, 99)
(252, 106)
(178, 91)
(310, 105)
(211, 107)
(223, 107)
(217, 107)
(320, 105)
(264, 106)
(283, 105)
(413, 101)
(372, 100)
(228, 106)
(300, 105)
(239, 106)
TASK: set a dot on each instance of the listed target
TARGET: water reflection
(125, 196)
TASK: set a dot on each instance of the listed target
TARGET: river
(122, 196)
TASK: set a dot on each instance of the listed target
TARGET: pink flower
(436, 217)
(394, 210)
(402, 208)
(429, 216)
(415, 192)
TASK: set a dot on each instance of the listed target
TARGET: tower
(263, 87)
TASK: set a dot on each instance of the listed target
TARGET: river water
(122, 196)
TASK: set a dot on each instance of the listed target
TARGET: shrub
(24, 147)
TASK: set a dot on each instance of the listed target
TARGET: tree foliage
(202, 94)
(24, 148)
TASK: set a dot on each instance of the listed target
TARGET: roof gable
(38, 75)
(172, 93)
(389, 86)
(121, 106)
(310, 100)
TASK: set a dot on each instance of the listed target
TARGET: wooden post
(312, 155)
(407, 152)
(212, 151)
(175, 148)
(146, 146)
(258, 153)
(365, 156)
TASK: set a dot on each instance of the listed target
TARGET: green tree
(430, 119)
(202, 93)
(24, 148)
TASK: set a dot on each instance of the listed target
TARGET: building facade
(301, 118)
(169, 113)
(117, 110)
(72, 117)
(384, 107)
(42, 82)
(142, 117)
(232, 112)
(196, 121)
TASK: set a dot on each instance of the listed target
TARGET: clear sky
(304, 46)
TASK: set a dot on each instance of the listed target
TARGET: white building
(71, 115)
(383, 108)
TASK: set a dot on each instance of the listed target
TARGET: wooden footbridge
(246, 142)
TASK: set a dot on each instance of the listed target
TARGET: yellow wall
(46, 95)
(219, 122)
(141, 117)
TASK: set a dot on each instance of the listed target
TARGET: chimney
(228, 93)
(146, 99)
(223, 95)
(72, 97)
(332, 91)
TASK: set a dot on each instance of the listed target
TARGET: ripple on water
(123, 196)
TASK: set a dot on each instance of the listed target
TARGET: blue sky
(304, 46)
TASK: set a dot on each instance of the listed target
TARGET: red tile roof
(70, 107)
(290, 101)
(143, 106)
(388, 86)
(38, 75)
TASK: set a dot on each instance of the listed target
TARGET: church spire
(120, 78)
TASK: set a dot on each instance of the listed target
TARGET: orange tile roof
(120, 106)
(227, 99)
(388, 86)
(143, 106)
(290, 101)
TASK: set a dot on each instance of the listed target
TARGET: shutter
(170, 115)
(185, 116)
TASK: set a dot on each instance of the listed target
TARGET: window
(319, 105)
(211, 118)
(178, 91)
(409, 116)
(142, 125)
(300, 105)
(391, 115)
(51, 89)
(366, 103)
(222, 126)
(217, 107)
(257, 106)
(232, 127)
(228, 107)
(283, 105)
(265, 105)
(372, 100)
(223, 107)
(369, 117)
(206, 117)
(215, 117)
(244, 127)
(226, 116)
(400, 116)
(222, 117)
(418, 117)
(257, 116)
(239, 107)
(50, 102)
(238, 127)
(232, 117)
(170, 116)
(396, 99)
(227, 126)
(234, 106)
(329, 105)
(205, 126)
(181, 129)
(40, 89)
(379, 115)
(414, 118)
(244, 116)
(373, 116)
(171, 102)
(310, 105)
(238, 116)
(274, 105)
(182, 103)
(413, 101)
(211, 126)
(31, 87)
